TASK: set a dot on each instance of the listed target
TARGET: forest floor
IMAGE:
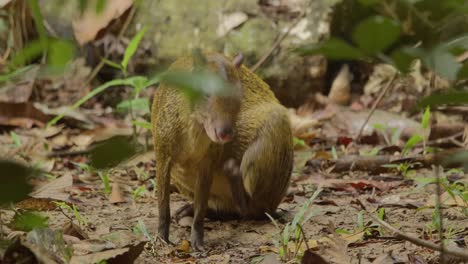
(116, 210)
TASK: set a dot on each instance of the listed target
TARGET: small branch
(119, 37)
(277, 43)
(463, 254)
(377, 102)
(438, 209)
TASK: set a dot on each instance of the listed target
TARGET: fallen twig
(277, 43)
(374, 164)
(377, 102)
(423, 243)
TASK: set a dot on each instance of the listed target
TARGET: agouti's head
(218, 113)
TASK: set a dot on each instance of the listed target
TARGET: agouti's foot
(196, 241)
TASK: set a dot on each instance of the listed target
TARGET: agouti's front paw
(231, 169)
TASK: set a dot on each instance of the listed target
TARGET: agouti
(231, 154)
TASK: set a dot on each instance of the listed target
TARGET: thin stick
(463, 254)
(438, 209)
(277, 43)
(377, 102)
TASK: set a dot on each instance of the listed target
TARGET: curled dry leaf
(447, 200)
(300, 124)
(55, 189)
(116, 194)
(4, 3)
(229, 22)
(86, 26)
(340, 92)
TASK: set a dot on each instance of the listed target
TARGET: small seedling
(16, 139)
(403, 168)
(283, 237)
(104, 176)
(334, 153)
(138, 192)
(73, 210)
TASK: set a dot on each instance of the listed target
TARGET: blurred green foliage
(13, 181)
(28, 220)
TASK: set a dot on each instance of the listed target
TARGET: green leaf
(13, 181)
(38, 22)
(100, 5)
(138, 83)
(449, 98)
(13, 74)
(60, 52)
(298, 142)
(27, 221)
(135, 104)
(31, 51)
(360, 220)
(333, 48)
(342, 231)
(368, 2)
(143, 124)
(89, 96)
(195, 84)
(443, 63)
(381, 213)
(415, 139)
(111, 152)
(375, 34)
(16, 139)
(132, 47)
(111, 63)
(426, 117)
(403, 58)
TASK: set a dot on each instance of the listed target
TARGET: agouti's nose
(226, 133)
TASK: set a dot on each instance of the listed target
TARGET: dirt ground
(338, 206)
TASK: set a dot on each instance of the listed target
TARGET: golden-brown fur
(262, 145)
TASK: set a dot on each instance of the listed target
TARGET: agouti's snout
(225, 133)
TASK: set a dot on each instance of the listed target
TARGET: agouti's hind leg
(266, 166)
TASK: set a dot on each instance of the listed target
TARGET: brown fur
(262, 145)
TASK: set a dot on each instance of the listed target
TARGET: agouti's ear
(237, 61)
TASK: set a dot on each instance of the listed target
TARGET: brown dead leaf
(384, 259)
(74, 230)
(4, 3)
(116, 194)
(447, 200)
(38, 204)
(340, 92)
(355, 185)
(229, 22)
(336, 248)
(352, 238)
(301, 124)
(126, 254)
(55, 189)
(377, 80)
(86, 26)
(20, 90)
(23, 115)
